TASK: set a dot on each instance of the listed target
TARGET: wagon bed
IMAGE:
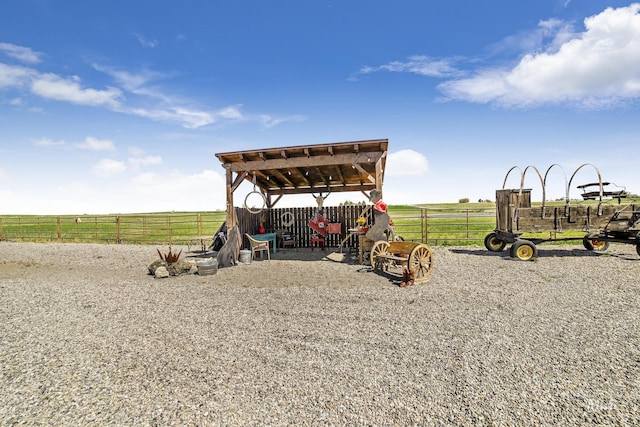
(417, 258)
(602, 222)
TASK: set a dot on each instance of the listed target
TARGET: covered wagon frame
(303, 169)
(600, 222)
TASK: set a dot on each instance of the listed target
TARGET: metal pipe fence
(435, 226)
(135, 229)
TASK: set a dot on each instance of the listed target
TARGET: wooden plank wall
(567, 218)
(272, 219)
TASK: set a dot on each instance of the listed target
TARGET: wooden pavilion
(303, 169)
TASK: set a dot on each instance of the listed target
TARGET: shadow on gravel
(479, 252)
(549, 253)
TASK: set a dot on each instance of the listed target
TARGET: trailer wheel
(524, 250)
(492, 243)
(593, 244)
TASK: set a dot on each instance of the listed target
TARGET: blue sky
(120, 106)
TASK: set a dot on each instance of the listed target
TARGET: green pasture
(165, 227)
(411, 222)
(449, 224)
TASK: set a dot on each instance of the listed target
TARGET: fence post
(118, 229)
(58, 228)
(425, 217)
(467, 223)
(199, 221)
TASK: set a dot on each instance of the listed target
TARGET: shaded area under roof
(331, 167)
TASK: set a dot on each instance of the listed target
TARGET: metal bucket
(245, 256)
(207, 268)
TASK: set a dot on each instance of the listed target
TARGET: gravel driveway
(87, 337)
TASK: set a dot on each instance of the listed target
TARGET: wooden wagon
(417, 258)
(600, 222)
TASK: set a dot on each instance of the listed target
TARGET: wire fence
(435, 226)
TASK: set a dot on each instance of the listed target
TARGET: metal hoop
(288, 222)
(264, 202)
(264, 199)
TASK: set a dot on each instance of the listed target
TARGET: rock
(179, 267)
(161, 272)
(155, 264)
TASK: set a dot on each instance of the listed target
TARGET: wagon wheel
(379, 248)
(591, 243)
(420, 261)
(524, 250)
(492, 243)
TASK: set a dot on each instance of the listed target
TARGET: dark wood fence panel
(275, 220)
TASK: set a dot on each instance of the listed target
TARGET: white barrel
(245, 256)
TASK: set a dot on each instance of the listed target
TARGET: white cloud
(47, 142)
(136, 151)
(145, 42)
(598, 67)
(52, 86)
(406, 163)
(231, 113)
(164, 108)
(138, 82)
(22, 54)
(14, 76)
(418, 64)
(174, 190)
(137, 162)
(269, 122)
(108, 167)
(189, 119)
(95, 144)
(148, 192)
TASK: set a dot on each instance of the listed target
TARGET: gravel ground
(87, 337)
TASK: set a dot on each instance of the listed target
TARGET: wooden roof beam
(236, 182)
(292, 162)
(283, 178)
(301, 176)
(310, 190)
(339, 174)
(365, 173)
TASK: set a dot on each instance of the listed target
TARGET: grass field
(438, 224)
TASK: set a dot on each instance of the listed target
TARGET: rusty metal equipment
(604, 220)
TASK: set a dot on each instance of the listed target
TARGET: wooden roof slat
(342, 166)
